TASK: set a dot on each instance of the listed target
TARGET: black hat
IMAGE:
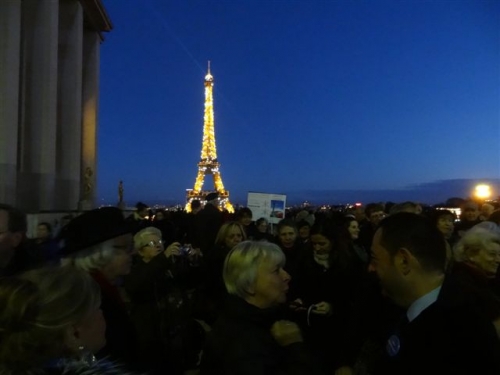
(212, 196)
(92, 228)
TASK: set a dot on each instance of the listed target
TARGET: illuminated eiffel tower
(208, 163)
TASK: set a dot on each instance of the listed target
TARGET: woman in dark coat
(249, 338)
(161, 303)
(328, 284)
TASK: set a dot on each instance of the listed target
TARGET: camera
(185, 250)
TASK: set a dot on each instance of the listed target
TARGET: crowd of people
(368, 290)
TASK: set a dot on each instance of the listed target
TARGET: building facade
(49, 91)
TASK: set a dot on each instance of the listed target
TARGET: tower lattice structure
(209, 164)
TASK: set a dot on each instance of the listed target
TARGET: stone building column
(69, 106)
(38, 105)
(10, 48)
(90, 104)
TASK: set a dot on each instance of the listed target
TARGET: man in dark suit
(439, 333)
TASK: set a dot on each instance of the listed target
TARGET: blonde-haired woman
(251, 337)
(230, 234)
(51, 322)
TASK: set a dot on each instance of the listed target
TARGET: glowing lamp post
(482, 191)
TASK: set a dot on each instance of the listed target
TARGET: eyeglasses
(154, 243)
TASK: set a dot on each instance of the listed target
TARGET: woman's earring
(86, 356)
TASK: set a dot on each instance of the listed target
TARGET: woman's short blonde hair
(225, 229)
(37, 308)
(243, 261)
(140, 238)
(473, 241)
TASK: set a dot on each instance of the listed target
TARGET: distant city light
(482, 191)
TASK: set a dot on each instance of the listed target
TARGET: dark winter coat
(241, 343)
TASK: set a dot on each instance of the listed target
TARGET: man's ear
(404, 260)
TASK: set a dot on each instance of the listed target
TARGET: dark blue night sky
(320, 100)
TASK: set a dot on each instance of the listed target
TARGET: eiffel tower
(208, 164)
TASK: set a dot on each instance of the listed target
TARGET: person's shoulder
(101, 367)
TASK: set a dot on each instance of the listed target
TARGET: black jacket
(448, 337)
(241, 343)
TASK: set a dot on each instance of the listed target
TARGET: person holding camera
(159, 287)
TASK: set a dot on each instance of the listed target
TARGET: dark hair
(261, 220)
(244, 212)
(373, 207)
(303, 223)
(17, 218)
(435, 215)
(195, 203)
(418, 235)
(141, 206)
(495, 217)
(340, 246)
(286, 223)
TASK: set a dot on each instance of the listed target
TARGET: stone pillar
(69, 106)
(10, 52)
(38, 105)
(90, 102)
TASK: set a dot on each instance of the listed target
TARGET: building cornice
(95, 16)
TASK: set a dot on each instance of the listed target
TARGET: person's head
(407, 206)
(444, 220)
(244, 216)
(230, 234)
(359, 213)
(304, 229)
(287, 233)
(486, 210)
(262, 225)
(352, 226)
(43, 231)
(142, 210)
(408, 257)
(470, 211)
(495, 217)
(195, 205)
(47, 314)
(323, 238)
(98, 241)
(374, 213)
(13, 226)
(480, 247)
(254, 272)
(213, 199)
(159, 215)
(148, 243)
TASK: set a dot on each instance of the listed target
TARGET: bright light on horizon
(482, 191)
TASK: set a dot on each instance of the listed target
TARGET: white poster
(269, 206)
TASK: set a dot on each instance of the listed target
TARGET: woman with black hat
(99, 242)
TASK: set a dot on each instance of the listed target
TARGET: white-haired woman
(99, 242)
(51, 323)
(249, 337)
(477, 258)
